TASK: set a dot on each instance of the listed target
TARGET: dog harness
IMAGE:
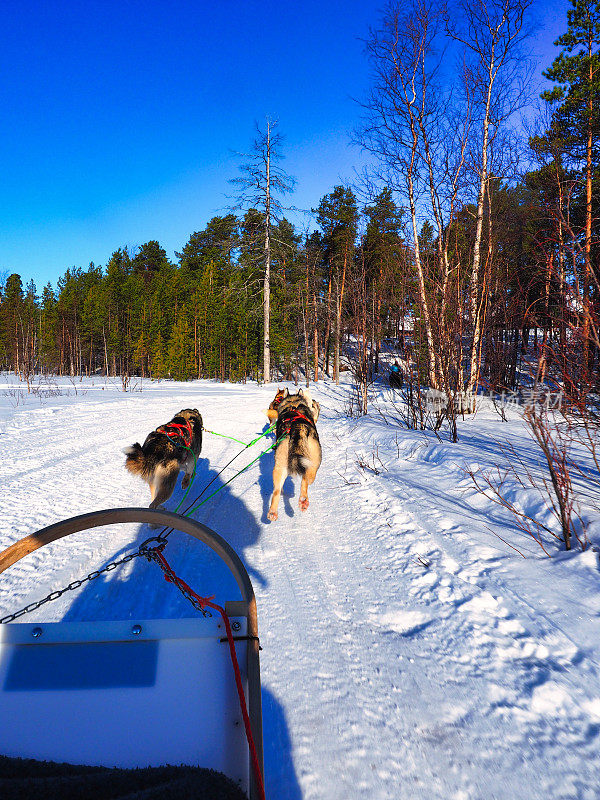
(278, 399)
(293, 415)
(175, 430)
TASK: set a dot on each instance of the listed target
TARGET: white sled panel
(124, 694)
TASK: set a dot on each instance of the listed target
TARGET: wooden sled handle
(114, 516)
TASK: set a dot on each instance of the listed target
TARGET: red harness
(175, 430)
(298, 415)
(278, 399)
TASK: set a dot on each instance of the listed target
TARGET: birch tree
(391, 128)
(492, 31)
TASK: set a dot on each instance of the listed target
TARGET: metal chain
(75, 584)
(144, 550)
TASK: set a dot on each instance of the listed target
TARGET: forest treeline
(469, 248)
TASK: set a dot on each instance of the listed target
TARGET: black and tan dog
(166, 451)
(298, 451)
(272, 410)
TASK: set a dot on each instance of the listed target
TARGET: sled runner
(134, 693)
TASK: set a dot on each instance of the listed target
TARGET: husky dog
(167, 450)
(299, 451)
(271, 412)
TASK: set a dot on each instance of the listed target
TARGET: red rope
(207, 601)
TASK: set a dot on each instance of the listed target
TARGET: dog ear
(286, 392)
(316, 409)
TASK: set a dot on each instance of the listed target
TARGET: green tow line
(180, 503)
(270, 429)
(271, 447)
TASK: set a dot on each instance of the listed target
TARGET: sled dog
(167, 450)
(298, 451)
(271, 412)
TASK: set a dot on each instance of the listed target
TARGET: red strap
(287, 423)
(300, 415)
(207, 601)
(176, 429)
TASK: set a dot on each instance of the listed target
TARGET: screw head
(235, 626)
(136, 630)
(36, 632)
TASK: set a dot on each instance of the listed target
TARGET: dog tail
(298, 464)
(136, 460)
(164, 482)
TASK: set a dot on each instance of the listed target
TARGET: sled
(134, 693)
(396, 380)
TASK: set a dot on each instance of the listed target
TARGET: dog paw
(272, 515)
(303, 503)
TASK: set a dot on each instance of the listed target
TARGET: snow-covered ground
(408, 651)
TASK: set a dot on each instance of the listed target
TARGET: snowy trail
(407, 652)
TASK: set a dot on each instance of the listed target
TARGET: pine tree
(180, 353)
(48, 319)
(11, 316)
(577, 72)
(337, 216)
(215, 243)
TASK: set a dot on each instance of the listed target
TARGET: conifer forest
(469, 250)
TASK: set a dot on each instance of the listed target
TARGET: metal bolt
(136, 630)
(235, 626)
(36, 632)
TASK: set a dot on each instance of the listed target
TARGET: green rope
(250, 444)
(179, 504)
(260, 455)
(239, 441)
(270, 429)
(224, 436)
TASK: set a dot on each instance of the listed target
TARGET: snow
(408, 651)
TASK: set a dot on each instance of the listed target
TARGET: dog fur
(299, 453)
(271, 411)
(159, 460)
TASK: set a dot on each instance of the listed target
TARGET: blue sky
(119, 120)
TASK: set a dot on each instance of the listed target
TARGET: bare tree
(430, 137)
(393, 119)
(260, 186)
(492, 31)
